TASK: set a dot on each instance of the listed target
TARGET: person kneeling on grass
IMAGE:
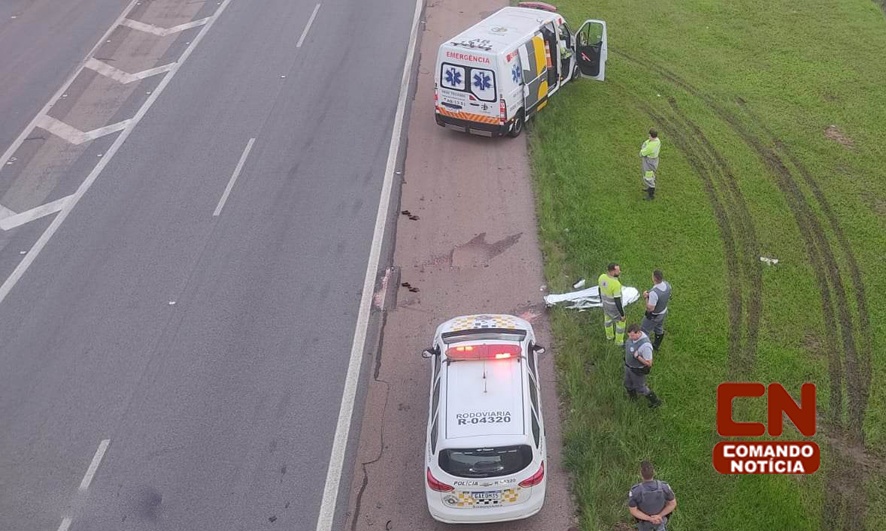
(651, 501)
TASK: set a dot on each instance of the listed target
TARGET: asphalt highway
(176, 325)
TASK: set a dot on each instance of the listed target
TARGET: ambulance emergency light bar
(538, 5)
(483, 352)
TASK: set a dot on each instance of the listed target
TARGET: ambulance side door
(591, 48)
(552, 62)
(535, 73)
(568, 68)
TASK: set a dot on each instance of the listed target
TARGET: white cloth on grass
(589, 298)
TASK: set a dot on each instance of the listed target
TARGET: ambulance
(497, 74)
(485, 441)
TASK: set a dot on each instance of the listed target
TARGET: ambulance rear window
(485, 462)
(478, 81)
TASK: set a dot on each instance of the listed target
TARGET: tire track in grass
(736, 231)
(845, 481)
(846, 488)
(751, 268)
(858, 355)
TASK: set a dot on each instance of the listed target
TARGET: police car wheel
(517, 128)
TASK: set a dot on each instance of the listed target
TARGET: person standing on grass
(649, 157)
(610, 297)
(638, 363)
(656, 308)
(651, 501)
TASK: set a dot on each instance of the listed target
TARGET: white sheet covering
(589, 298)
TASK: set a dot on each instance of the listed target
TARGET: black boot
(654, 401)
(651, 194)
(657, 343)
(632, 395)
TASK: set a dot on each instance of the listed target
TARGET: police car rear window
(480, 334)
(485, 462)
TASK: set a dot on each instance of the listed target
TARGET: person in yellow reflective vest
(649, 158)
(613, 311)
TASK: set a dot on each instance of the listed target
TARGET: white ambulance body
(485, 449)
(497, 74)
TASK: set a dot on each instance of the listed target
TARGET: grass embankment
(771, 115)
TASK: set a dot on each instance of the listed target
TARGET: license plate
(487, 495)
(452, 105)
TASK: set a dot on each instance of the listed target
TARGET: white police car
(485, 450)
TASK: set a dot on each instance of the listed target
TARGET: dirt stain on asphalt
(478, 252)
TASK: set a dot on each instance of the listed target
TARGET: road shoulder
(469, 245)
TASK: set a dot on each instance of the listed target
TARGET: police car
(485, 450)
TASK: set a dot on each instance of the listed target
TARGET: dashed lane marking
(307, 27)
(237, 170)
(93, 466)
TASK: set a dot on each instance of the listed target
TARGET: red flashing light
(483, 352)
(436, 485)
(532, 480)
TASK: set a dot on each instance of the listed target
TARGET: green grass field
(772, 116)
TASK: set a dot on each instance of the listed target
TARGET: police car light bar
(483, 352)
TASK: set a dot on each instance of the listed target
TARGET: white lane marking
(96, 171)
(30, 127)
(124, 77)
(224, 197)
(74, 135)
(349, 394)
(66, 523)
(27, 216)
(162, 32)
(93, 466)
(305, 32)
(5, 212)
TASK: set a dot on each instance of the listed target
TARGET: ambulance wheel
(576, 73)
(517, 128)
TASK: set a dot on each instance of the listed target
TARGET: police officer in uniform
(638, 363)
(656, 308)
(610, 297)
(651, 501)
